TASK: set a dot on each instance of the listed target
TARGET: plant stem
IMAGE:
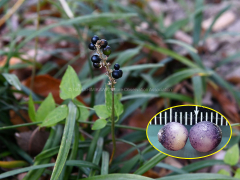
(113, 127)
(111, 82)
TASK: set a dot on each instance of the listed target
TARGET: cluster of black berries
(105, 49)
(95, 41)
(117, 72)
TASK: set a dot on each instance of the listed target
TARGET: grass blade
(66, 141)
(197, 176)
(119, 177)
(198, 89)
(105, 163)
(151, 163)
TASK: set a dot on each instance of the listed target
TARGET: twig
(11, 12)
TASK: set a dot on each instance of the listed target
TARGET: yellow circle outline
(196, 157)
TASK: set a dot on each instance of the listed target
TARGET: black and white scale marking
(190, 117)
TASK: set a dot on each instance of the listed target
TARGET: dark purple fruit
(173, 136)
(116, 74)
(107, 51)
(116, 66)
(205, 136)
(95, 59)
(104, 43)
(121, 73)
(91, 46)
(96, 65)
(94, 39)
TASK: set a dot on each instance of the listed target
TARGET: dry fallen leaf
(45, 84)
(222, 22)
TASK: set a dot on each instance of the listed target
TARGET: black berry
(107, 51)
(96, 65)
(94, 39)
(91, 46)
(104, 43)
(95, 59)
(121, 73)
(116, 66)
(116, 74)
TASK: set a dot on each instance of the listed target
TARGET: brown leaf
(32, 141)
(152, 174)
(228, 105)
(45, 84)
(18, 119)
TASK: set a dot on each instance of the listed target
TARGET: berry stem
(111, 83)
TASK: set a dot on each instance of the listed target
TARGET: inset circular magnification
(189, 131)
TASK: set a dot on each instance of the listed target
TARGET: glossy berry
(116, 74)
(121, 73)
(94, 39)
(104, 43)
(107, 51)
(96, 65)
(95, 59)
(91, 46)
(116, 66)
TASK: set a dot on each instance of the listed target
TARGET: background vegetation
(170, 54)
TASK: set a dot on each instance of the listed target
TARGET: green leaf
(232, 155)
(47, 153)
(82, 20)
(31, 109)
(105, 163)
(150, 164)
(97, 154)
(237, 173)
(13, 80)
(83, 109)
(45, 108)
(197, 176)
(118, 106)
(108, 99)
(99, 124)
(66, 141)
(170, 167)
(119, 177)
(102, 111)
(198, 89)
(127, 55)
(57, 115)
(70, 86)
(228, 60)
(197, 22)
(78, 163)
(170, 30)
(183, 44)
(223, 172)
(181, 75)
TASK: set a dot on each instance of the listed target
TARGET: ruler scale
(175, 116)
(185, 118)
(160, 118)
(181, 117)
(221, 120)
(155, 119)
(206, 116)
(165, 117)
(191, 118)
(216, 118)
(201, 117)
(171, 115)
(211, 117)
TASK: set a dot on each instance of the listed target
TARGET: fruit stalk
(111, 83)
